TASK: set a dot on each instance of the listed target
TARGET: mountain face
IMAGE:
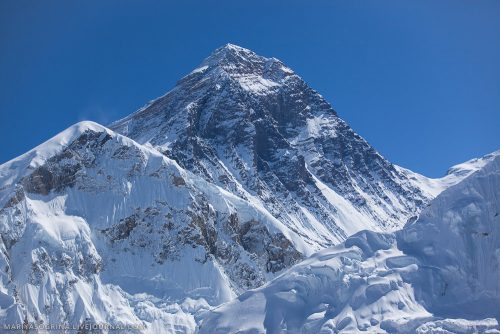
(439, 274)
(97, 228)
(252, 126)
(237, 174)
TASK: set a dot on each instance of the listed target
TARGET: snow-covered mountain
(252, 126)
(440, 274)
(238, 173)
(97, 228)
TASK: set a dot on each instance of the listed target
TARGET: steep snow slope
(97, 228)
(252, 126)
(459, 233)
(423, 279)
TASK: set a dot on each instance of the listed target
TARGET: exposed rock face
(63, 170)
(251, 125)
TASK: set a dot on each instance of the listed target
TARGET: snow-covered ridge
(455, 174)
(472, 165)
(19, 166)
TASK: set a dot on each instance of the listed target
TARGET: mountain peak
(231, 53)
(237, 61)
(250, 125)
(255, 74)
(234, 48)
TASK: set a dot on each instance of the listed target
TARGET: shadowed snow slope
(439, 274)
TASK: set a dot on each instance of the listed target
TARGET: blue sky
(420, 80)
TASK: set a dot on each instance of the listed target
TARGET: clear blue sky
(420, 80)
